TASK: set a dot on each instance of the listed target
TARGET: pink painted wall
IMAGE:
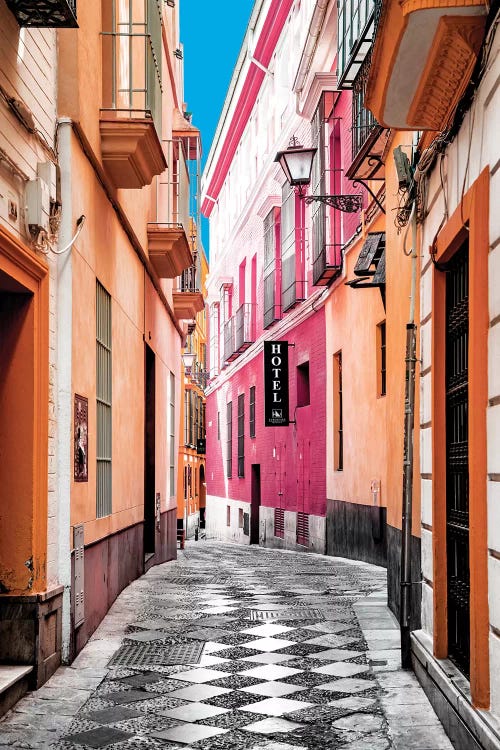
(292, 458)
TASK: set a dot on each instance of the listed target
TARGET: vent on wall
(78, 579)
(303, 529)
(279, 522)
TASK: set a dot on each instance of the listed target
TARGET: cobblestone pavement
(233, 647)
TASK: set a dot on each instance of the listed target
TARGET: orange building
(446, 101)
(94, 308)
(191, 486)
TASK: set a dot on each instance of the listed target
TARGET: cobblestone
(283, 663)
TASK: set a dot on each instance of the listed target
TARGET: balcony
(229, 352)
(44, 14)
(369, 138)
(130, 119)
(327, 256)
(188, 300)
(244, 329)
(423, 57)
(168, 249)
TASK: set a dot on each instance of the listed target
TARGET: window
(228, 515)
(172, 435)
(337, 413)
(229, 445)
(292, 265)
(131, 55)
(218, 425)
(279, 522)
(381, 359)
(355, 30)
(187, 405)
(272, 267)
(303, 391)
(240, 518)
(326, 176)
(252, 411)
(103, 394)
(241, 435)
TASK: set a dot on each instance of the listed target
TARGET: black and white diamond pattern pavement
(267, 651)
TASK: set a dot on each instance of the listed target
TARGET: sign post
(276, 384)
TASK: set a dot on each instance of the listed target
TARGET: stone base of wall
(113, 563)
(356, 531)
(30, 633)
(216, 519)
(448, 691)
(394, 537)
(317, 529)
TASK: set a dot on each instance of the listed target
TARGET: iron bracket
(347, 203)
(366, 187)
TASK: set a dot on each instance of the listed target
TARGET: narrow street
(237, 647)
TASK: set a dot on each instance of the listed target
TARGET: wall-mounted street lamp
(296, 162)
(188, 359)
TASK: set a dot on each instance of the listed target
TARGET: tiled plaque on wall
(81, 421)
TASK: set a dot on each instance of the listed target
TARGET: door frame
(473, 211)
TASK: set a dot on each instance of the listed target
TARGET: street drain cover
(135, 655)
(297, 613)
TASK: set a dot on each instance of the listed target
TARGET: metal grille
(279, 522)
(326, 179)
(241, 435)
(295, 613)
(103, 394)
(303, 529)
(252, 411)
(172, 436)
(47, 14)
(132, 655)
(131, 52)
(293, 290)
(229, 445)
(271, 269)
(363, 122)
(457, 458)
(244, 333)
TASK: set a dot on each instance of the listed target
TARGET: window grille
(279, 522)
(272, 269)
(229, 446)
(252, 411)
(132, 53)
(241, 435)
(326, 180)
(338, 413)
(303, 529)
(172, 436)
(104, 401)
(355, 33)
(382, 357)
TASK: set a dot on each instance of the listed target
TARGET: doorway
(149, 453)
(255, 505)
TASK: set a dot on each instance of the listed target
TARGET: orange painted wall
(373, 425)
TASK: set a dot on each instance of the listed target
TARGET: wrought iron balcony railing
(229, 348)
(244, 326)
(188, 280)
(47, 14)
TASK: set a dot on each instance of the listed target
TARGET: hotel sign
(276, 383)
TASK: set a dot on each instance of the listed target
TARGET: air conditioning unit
(37, 213)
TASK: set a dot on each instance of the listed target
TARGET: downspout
(306, 59)
(406, 520)
(64, 344)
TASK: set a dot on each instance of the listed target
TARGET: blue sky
(212, 34)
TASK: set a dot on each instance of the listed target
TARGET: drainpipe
(306, 59)
(64, 441)
(406, 521)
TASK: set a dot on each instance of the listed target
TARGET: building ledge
(423, 57)
(168, 249)
(187, 304)
(131, 150)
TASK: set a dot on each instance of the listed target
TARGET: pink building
(273, 260)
